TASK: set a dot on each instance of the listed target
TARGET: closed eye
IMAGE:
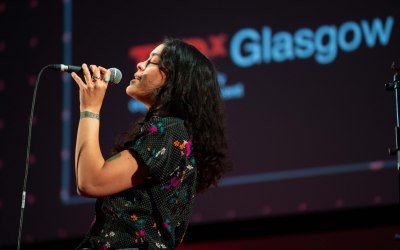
(150, 62)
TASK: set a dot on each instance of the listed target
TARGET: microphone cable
(27, 157)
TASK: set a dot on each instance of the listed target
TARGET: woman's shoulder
(165, 121)
(164, 124)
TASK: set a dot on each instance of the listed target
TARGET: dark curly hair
(191, 92)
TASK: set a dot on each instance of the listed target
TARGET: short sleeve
(161, 145)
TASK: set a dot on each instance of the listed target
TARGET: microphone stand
(394, 86)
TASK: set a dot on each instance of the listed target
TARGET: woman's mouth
(135, 77)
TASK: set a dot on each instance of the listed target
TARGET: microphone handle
(67, 68)
(72, 68)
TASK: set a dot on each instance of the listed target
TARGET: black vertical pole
(394, 86)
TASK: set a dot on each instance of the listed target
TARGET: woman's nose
(140, 65)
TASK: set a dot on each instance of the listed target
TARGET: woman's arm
(96, 176)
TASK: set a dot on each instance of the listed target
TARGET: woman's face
(148, 78)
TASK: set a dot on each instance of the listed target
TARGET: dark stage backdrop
(303, 83)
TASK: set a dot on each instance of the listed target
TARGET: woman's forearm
(88, 157)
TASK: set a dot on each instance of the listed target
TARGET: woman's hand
(93, 88)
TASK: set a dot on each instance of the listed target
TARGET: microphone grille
(116, 75)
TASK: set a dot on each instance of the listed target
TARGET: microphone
(115, 76)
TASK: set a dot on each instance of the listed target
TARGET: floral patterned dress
(155, 214)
